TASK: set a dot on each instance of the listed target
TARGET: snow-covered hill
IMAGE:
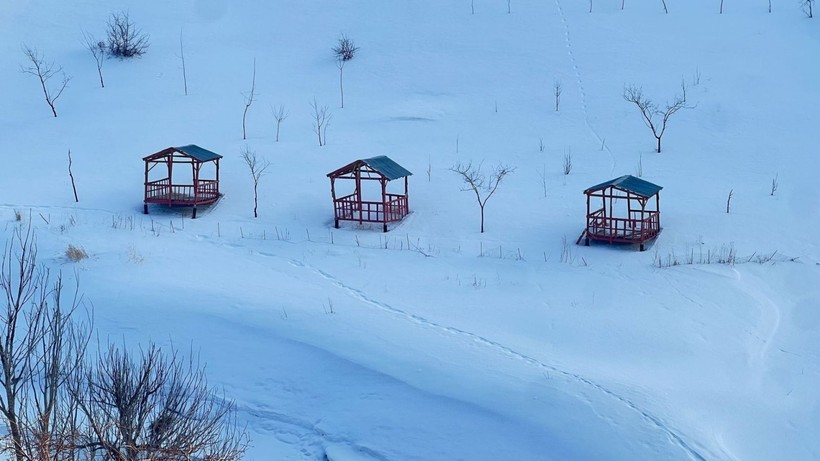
(434, 341)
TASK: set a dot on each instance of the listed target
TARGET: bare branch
(44, 71)
(321, 119)
(249, 98)
(650, 111)
(97, 50)
(481, 185)
(257, 169)
(280, 115)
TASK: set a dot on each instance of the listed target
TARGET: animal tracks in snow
(498, 347)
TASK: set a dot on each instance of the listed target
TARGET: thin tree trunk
(341, 86)
(70, 175)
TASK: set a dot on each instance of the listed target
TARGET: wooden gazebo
(391, 207)
(174, 185)
(627, 213)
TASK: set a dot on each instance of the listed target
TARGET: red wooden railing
(162, 191)
(348, 208)
(626, 230)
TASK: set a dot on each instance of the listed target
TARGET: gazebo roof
(383, 164)
(191, 150)
(629, 183)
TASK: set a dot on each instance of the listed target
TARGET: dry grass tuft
(75, 253)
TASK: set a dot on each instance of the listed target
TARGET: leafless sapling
(280, 115)
(321, 119)
(808, 7)
(775, 185)
(155, 406)
(344, 51)
(42, 343)
(257, 168)
(567, 165)
(182, 59)
(71, 176)
(249, 98)
(482, 185)
(542, 177)
(655, 118)
(556, 91)
(44, 71)
(97, 50)
(125, 40)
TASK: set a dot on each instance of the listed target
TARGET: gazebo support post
(589, 222)
(406, 199)
(384, 204)
(335, 204)
(195, 172)
(145, 200)
(358, 175)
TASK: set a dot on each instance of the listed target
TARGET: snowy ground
(435, 341)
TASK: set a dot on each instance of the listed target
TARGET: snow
(434, 341)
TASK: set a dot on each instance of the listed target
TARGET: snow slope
(435, 341)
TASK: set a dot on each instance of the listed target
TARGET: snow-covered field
(434, 341)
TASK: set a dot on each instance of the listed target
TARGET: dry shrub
(75, 253)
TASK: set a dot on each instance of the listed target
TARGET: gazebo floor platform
(179, 199)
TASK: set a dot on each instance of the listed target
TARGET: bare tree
(345, 50)
(483, 186)
(44, 71)
(321, 119)
(807, 7)
(97, 50)
(257, 169)
(249, 98)
(654, 117)
(41, 346)
(125, 40)
(280, 115)
(556, 91)
(155, 406)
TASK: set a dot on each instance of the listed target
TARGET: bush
(125, 40)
